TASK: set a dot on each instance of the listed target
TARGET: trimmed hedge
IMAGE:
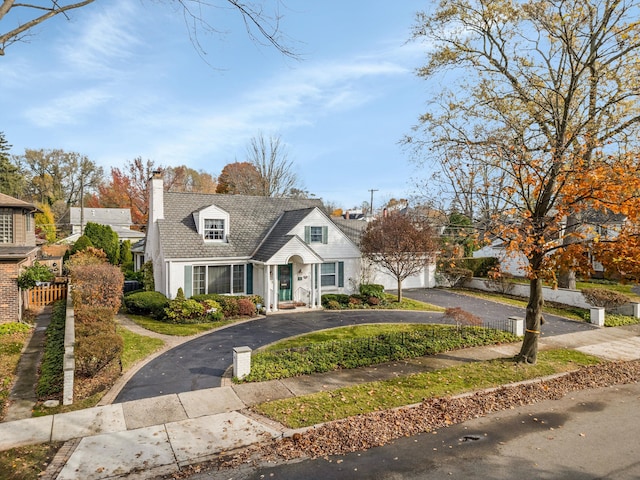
(150, 304)
(51, 380)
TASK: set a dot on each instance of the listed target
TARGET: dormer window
(212, 224)
(214, 229)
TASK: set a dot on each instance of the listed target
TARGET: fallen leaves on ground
(379, 428)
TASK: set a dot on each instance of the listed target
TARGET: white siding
(338, 246)
(381, 276)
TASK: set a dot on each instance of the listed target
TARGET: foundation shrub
(246, 307)
(150, 304)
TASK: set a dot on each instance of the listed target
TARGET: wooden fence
(46, 295)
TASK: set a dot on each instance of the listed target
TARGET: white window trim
(231, 278)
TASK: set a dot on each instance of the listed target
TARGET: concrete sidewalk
(146, 438)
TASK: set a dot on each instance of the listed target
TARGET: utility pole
(371, 203)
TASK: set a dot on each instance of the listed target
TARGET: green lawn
(364, 398)
(178, 329)
(409, 304)
(137, 347)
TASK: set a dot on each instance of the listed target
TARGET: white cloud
(69, 109)
(102, 41)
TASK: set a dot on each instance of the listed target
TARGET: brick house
(18, 249)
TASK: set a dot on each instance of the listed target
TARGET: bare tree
(402, 245)
(271, 160)
(262, 25)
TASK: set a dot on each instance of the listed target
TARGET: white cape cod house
(282, 249)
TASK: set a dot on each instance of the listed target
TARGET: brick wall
(9, 293)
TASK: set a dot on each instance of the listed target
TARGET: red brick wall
(9, 293)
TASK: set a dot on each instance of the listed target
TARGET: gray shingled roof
(250, 220)
(8, 201)
(103, 216)
(278, 237)
(351, 228)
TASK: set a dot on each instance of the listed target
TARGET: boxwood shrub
(151, 304)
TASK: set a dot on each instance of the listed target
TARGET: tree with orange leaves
(542, 127)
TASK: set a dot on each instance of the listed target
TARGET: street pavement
(157, 435)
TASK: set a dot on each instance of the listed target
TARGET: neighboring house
(17, 250)
(119, 219)
(283, 249)
(605, 226)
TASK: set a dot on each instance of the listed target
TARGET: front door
(284, 283)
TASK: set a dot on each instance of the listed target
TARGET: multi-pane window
(315, 234)
(214, 229)
(218, 279)
(238, 279)
(328, 275)
(199, 280)
(6, 225)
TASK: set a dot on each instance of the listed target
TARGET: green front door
(284, 283)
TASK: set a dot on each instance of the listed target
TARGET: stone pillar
(635, 309)
(241, 362)
(516, 326)
(597, 316)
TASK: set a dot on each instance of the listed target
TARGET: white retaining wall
(559, 295)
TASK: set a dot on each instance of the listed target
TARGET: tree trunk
(529, 351)
(567, 279)
(399, 290)
(567, 276)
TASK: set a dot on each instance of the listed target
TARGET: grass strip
(12, 340)
(373, 396)
(137, 347)
(27, 463)
(178, 329)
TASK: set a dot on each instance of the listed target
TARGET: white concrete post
(516, 326)
(241, 362)
(597, 316)
(635, 308)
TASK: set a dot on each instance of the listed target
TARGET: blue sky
(122, 80)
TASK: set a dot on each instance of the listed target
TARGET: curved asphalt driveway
(200, 363)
